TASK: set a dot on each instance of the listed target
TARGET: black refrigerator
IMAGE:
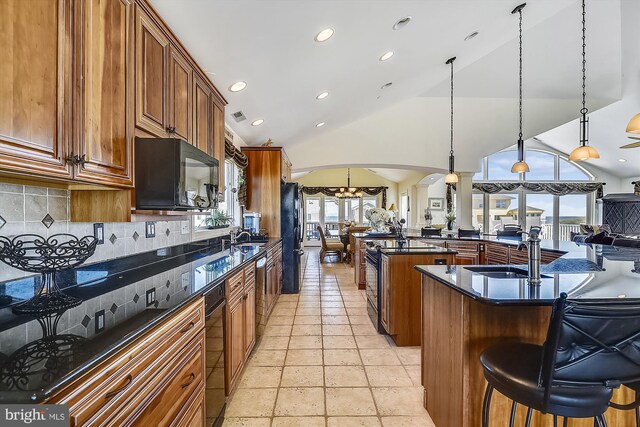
(291, 232)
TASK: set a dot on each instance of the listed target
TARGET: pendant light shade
(451, 177)
(584, 151)
(520, 166)
(634, 124)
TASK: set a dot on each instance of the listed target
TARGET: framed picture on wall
(436, 203)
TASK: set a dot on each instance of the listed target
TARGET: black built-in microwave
(172, 174)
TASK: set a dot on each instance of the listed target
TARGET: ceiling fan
(633, 144)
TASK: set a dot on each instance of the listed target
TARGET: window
(557, 215)
(230, 206)
(329, 212)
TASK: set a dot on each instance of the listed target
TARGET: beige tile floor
(321, 363)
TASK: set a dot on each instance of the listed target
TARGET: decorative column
(464, 200)
(422, 196)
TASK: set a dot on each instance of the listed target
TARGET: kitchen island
(466, 309)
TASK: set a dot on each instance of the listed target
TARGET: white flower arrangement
(377, 216)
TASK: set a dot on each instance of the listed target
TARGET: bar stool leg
(602, 421)
(555, 421)
(528, 422)
(513, 413)
(637, 417)
(565, 421)
(486, 404)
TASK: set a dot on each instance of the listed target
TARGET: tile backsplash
(45, 211)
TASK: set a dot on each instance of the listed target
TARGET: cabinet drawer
(469, 247)
(182, 379)
(518, 257)
(250, 274)
(234, 285)
(104, 392)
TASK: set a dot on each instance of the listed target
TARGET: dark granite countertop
(411, 247)
(593, 272)
(135, 292)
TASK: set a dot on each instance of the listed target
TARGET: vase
(450, 225)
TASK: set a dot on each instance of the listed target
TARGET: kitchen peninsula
(149, 331)
(492, 305)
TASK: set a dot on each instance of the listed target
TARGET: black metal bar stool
(591, 348)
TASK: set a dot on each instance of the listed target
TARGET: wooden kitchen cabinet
(497, 253)
(104, 61)
(286, 168)
(469, 253)
(179, 95)
(400, 307)
(240, 333)
(219, 143)
(35, 87)
(164, 368)
(202, 117)
(195, 415)
(152, 53)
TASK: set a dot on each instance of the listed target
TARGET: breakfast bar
(466, 309)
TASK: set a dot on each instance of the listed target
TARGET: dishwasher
(214, 305)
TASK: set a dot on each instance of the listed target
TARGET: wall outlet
(186, 279)
(151, 296)
(150, 229)
(185, 227)
(98, 232)
(99, 321)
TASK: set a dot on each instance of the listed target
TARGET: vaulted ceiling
(270, 45)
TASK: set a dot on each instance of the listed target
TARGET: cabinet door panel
(235, 349)
(105, 138)
(180, 104)
(151, 76)
(250, 319)
(35, 86)
(202, 130)
(218, 144)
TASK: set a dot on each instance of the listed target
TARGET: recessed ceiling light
(386, 85)
(257, 122)
(324, 35)
(323, 95)
(401, 23)
(386, 55)
(470, 36)
(622, 160)
(319, 125)
(237, 86)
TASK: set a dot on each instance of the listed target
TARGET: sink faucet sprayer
(533, 246)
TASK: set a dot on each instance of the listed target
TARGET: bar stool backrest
(591, 343)
(427, 231)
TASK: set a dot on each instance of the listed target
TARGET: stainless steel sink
(501, 272)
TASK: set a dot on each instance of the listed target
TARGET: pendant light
(584, 151)
(451, 177)
(634, 124)
(520, 166)
(348, 192)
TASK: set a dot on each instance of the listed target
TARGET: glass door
(312, 208)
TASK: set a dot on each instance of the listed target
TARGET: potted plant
(218, 219)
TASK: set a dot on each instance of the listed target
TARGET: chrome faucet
(534, 255)
(234, 235)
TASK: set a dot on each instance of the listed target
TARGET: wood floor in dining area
(321, 362)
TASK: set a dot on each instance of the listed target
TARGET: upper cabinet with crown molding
(82, 78)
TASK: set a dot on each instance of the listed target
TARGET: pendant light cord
(520, 75)
(451, 61)
(584, 59)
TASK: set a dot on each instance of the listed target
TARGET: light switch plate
(151, 296)
(99, 321)
(98, 232)
(185, 227)
(150, 229)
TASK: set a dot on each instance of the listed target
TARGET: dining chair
(330, 248)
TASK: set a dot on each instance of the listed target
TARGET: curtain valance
(331, 191)
(555, 188)
(232, 153)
